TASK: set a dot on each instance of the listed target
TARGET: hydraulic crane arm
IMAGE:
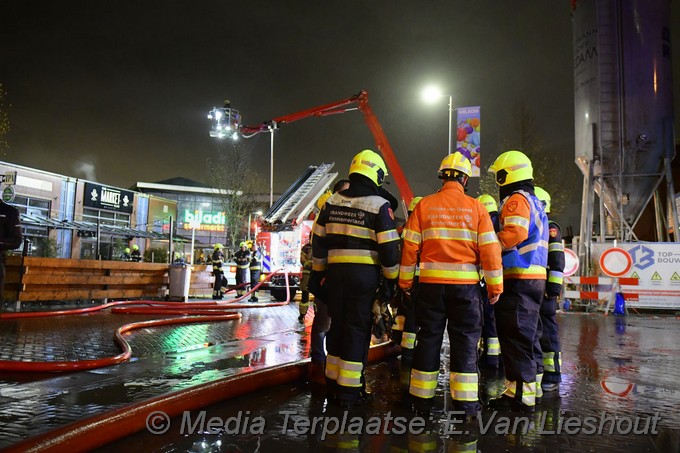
(360, 102)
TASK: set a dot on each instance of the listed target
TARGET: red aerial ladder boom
(361, 102)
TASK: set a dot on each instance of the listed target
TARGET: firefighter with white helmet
(523, 236)
(547, 344)
(242, 260)
(354, 243)
(217, 261)
(452, 235)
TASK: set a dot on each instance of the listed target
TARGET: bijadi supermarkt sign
(205, 220)
(656, 265)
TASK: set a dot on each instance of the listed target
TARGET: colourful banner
(467, 135)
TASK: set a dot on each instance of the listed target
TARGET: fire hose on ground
(199, 312)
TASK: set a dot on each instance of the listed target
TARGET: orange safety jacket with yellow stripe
(523, 237)
(455, 237)
(356, 230)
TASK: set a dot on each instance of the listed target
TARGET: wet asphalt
(620, 389)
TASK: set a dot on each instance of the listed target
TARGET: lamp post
(432, 94)
(272, 128)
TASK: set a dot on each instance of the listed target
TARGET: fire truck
(286, 225)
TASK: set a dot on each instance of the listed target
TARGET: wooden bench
(45, 279)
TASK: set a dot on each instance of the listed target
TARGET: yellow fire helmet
(370, 164)
(218, 246)
(135, 247)
(413, 203)
(323, 199)
(243, 244)
(452, 163)
(489, 202)
(544, 197)
(510, 167)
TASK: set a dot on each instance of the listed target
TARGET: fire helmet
(413, 203)
(544, 197)
(455, 166)
(489, 202)
(135, 247)
(218, 246)
(322, 199)
(370, 164)
(243, 244)
(510, 167)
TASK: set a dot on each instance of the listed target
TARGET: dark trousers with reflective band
(320, 326)
(461, 307)
(491, 351)
(241, 278)
(351, 292)
(219, 276)
(254, 278)
(550, 341)
(517, 313)
(404, 330)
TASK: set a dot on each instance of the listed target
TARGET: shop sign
(205, 221)
(8, 194)
(109, 198)
(656, 266)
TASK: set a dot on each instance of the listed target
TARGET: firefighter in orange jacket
(454, 237)
(355, 241)
(524, 239)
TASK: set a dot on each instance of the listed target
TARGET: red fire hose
(199, 313)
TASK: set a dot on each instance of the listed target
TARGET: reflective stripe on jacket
(453, 236)
(524, 237)
(356, 230)
(555, 259)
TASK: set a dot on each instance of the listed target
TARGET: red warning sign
(615, 262)
(571, 262)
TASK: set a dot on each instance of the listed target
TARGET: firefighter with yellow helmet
(490, 356)
(547, 344)
(242, 260)
(523, 236)
(354, 243)
(452, 235)
(217, 261)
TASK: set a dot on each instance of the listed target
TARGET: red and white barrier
(609, 295)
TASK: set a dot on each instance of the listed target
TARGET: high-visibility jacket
(523, 236)
(242, 259)
(356, 230)
(255, 261)
(217, 260)
(455, 237)
(555, 260)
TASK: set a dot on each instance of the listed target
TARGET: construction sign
(654, 264)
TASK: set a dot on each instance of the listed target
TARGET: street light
(432, 94)
(250, 222)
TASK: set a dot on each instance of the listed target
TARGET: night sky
(117, 92)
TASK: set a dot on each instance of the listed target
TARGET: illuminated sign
(104, 197)
(206, 221)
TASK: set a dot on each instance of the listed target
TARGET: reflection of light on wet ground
(621, 369)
